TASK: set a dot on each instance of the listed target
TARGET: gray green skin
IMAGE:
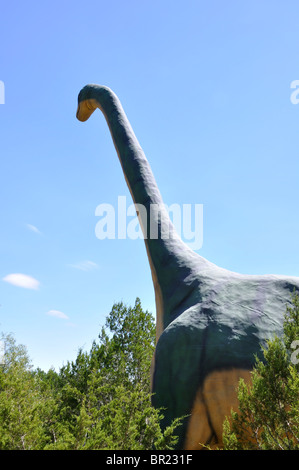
(212, 319)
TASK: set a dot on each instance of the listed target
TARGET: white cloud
(33, 228)
(57, 314)
(85, 265)
(22, 280)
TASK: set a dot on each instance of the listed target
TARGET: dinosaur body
(210, 322)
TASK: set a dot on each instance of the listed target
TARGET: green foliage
(268, 416)
(25, 410)
(101, 400)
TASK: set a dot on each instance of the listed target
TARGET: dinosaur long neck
(171, 261)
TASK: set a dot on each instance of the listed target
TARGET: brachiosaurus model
(210, 322)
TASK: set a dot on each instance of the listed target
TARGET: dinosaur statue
(210, 322)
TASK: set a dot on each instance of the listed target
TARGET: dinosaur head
(86, 102)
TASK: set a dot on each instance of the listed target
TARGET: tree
(103, 397)
(126, 350)
(268, 415)
(25, 409)
(101, 400)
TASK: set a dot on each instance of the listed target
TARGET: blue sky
(206, 86)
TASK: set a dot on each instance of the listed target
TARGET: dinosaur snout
(85, 109)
